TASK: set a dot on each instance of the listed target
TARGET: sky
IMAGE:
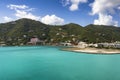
(59, 12)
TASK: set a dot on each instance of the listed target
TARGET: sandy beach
(94, 50)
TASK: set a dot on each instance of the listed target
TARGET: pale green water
(49, 63)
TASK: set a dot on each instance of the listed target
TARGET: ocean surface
(50, 63)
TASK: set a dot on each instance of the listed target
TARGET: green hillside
(20, 31)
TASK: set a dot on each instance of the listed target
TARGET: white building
(93, 45)
(65, 44)
(82, 45)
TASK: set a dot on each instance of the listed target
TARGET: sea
(51, 63)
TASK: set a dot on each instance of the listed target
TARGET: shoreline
(93, 50)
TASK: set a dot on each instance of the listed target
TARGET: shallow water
(50, 63)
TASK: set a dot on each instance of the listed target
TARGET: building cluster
(97, 45)
(79, 44)
(109, 45)
(85, 45)
(2, 43)
(19, 42)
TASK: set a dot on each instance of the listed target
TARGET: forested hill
(20, 31)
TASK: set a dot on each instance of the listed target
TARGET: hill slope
(22, 30)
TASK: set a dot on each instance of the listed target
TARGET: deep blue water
(50, 63)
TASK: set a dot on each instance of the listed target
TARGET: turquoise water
(50, 63)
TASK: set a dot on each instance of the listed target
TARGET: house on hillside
(33, 41)
(36, 41)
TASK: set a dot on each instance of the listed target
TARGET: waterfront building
(82, 45)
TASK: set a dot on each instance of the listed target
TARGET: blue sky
(57, 12)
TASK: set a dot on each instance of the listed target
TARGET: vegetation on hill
(22, 30)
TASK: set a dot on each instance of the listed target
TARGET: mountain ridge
(14, 32)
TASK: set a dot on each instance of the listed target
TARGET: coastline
(93, 50)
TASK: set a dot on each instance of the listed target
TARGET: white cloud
(12, 6)
(25, 14)
(119, 7)
(65, 2)
(73, 7)
(23, 11)
(105, 20)
(74, 4)
(103, 8)
(7, 19)
(52, 19)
